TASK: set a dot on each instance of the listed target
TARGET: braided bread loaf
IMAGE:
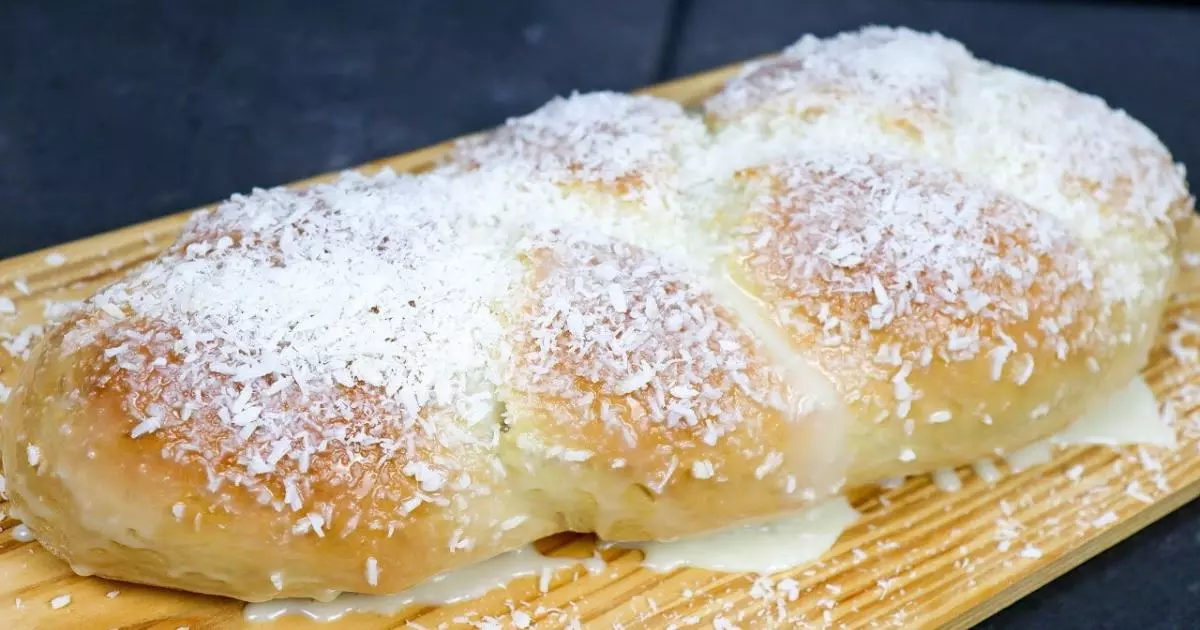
(872, 255)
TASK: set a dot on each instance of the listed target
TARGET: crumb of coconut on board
(774, 597)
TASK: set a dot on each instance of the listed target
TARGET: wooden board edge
(1065, 563)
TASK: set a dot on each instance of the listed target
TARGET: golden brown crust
(156, 504)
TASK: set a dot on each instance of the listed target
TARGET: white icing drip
(1027, 457)
(21, 533)
(765, 548)
(454, 586)
(987, 471)
(947, 480)
(1129, 416)
(594, 565)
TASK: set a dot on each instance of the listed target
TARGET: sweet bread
(871, 255)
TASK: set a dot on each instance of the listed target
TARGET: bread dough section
(643, 405)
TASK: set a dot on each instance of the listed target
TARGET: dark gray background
(116, 112)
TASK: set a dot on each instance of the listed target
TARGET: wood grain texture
(919, 557)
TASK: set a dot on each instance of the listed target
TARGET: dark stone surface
(115, 112)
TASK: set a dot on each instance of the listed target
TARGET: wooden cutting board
(919, 557)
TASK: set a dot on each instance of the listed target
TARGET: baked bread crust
(873, 255)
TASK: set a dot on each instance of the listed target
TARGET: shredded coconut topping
(894, 68)
(342, 318)
(1102, 173)
(298, 338)
(622, 336)
(630, 142)
(859, 244)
